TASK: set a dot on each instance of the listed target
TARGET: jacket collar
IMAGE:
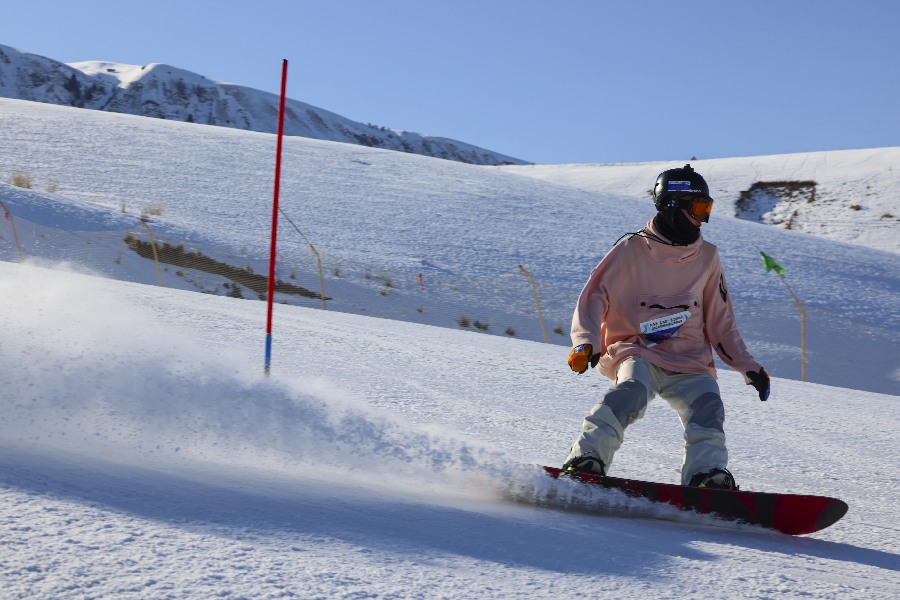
(664, 252)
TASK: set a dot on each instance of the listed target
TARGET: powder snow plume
(95, 375)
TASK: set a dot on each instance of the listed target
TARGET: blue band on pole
(268, 351)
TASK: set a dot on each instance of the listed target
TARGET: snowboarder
(647, 318)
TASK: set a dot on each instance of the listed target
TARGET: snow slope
(144, 455)
(381, 217)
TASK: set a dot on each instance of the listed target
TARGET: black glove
(760, 380)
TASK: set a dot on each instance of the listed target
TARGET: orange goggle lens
(699, 208)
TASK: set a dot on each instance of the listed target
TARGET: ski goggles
(698, 207)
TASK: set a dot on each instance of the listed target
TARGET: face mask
(675, 226)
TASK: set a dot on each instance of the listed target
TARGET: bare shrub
(152, 210)
(22, 180)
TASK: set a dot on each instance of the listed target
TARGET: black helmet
(678, 182)
(678, 188)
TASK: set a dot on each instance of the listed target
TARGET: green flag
(770, 264)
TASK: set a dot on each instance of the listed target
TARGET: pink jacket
(666, 304)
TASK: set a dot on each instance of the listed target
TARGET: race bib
(661, 329)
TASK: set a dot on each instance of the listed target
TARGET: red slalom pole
(270, 292)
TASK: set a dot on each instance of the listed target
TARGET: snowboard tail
(793, 514)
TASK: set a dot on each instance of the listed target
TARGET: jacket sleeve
(720, 324)
(590, 310)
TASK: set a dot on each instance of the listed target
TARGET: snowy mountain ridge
(167, 92)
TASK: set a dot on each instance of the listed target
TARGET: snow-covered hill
(167, 92)
(381, 219)
(849, 196)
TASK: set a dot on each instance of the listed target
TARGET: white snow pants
(694, 396)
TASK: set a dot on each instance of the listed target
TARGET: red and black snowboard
(794, 514)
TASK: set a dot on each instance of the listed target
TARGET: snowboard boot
(718, 479)
(586, 463)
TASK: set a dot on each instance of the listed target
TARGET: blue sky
(545, 81)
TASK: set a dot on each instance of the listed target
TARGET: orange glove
(580, 356)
